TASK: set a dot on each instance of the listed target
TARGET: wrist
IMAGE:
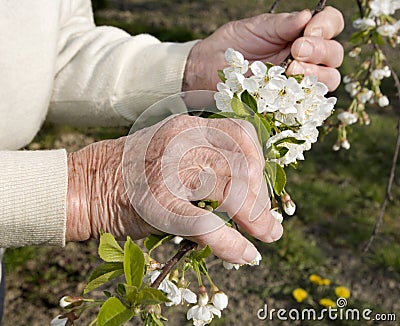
(197, 75)
(77, 224)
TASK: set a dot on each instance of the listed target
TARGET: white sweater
(56, 64)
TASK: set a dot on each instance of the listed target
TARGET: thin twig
(388, 195)
(170, 264)
(320, 6)
(361, 8)
(273, 7)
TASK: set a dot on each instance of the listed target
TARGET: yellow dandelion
(327, 303)
(342, 292)
(299, 294)
(325, 281)
(315, 279)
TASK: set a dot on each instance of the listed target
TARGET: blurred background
(338, 195)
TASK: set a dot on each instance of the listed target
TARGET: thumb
(206, 228)
(229, 245)
(288, 27)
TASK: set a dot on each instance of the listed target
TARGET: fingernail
(317, 32)
(297, 68)
(305, 50)
(250, 253)
(277, 231)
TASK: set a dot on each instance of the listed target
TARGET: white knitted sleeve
(104, 76)
(33, 190)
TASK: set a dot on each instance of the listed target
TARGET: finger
(229, 245)
(318, 51)
(327, 24)
(329, 76)
(252, 212)
(286, 27)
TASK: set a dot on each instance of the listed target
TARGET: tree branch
(361, 8)
(388, 195)
(273, 7)
(170, 264)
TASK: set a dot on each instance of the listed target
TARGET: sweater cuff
(161, 78)
(33, 191)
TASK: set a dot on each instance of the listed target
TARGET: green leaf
(277, 176)
(149, 296)
(203, 253)
(102, 274)
(105, 268)
(121, 289)
(274, 152)
(113, 313)
(133, 263)
(131, 294)
(290, 140)
(153, 241)
(221, 76)
(263, 129)
(378, 39)
(248, 99)
(360, 36)
(223, 115)
(109, 249)
(298, 77)
(241, 109)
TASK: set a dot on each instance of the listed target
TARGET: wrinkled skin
(148, 188)
(165, 167)
(270, 38)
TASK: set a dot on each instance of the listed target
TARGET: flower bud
(288, 204)
(345, 144)
(336, 147)
(220, 300)
(366, 119)
(383, 101)
(355, 52)
(154, 265)
(276, 215)
(177, 239)
(203, 296)
(174, 276)
(154, 309)
(347, 118)
(68, 302)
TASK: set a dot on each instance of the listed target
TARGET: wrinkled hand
(164, 168)
(270, 38)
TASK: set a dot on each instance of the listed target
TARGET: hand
(164, 168)
(270, 38)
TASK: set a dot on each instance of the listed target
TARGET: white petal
(258, 69)
(203, 313)
(220, 300)
(188, 295)
(213, 310)
(250, 85)
(192, 312)
(57, 321)
(275, 71)
(230, 266)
